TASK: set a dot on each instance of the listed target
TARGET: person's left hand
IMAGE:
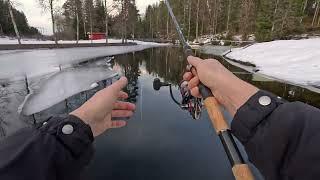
(98, 111)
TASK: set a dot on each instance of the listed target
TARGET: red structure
(96, 36)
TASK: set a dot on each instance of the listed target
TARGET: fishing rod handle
(242, 172)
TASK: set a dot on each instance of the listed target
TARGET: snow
(8, 40)
(18, 64)
(295, 61)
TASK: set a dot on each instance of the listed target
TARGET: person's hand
(229, 90)
(98, 111)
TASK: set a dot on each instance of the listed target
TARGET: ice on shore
(295, 61)
(9, 40)
(15, 65)
(55, 88)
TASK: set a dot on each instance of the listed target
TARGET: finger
(118, 124)
(123, 95)
(121, 113)
(195, 92)
(124, 106)
(194, 82)
(187, 76)
(120, 84)
(112, 92)
(194, 71)
(194, 61)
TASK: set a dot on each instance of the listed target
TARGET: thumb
(194, 61)
(119, 85)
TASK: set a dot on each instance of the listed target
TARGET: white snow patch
(296, 61)
(9, 40)
(16, 65)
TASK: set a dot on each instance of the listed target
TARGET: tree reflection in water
(169, 64)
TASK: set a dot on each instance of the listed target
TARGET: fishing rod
(240, 169)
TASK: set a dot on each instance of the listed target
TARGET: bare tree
(49, 5)
(168, 26)
(77, 19)
(316, 13)
(107, 20)
(304, 7)
(84, 18)
(197, 25)
(274, 16)
(189, 26)
(229, 14)
(14, 21)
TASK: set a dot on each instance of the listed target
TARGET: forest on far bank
(266, 19)
(6, 26)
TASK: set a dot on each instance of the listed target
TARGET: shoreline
(59, 46)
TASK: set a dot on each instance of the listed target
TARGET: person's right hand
(229, 90)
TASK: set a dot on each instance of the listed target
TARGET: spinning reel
(189, 103)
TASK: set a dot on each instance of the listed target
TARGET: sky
(41, 20)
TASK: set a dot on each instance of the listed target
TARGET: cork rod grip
(215, 114)
(242, 172)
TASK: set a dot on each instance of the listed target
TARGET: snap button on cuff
(67, 129)
(264, 100)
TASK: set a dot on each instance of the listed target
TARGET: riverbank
(18, 64)
(292, 61)
(295, 61)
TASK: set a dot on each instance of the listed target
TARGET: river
(161, 141)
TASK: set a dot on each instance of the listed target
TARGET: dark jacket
(46, 153)
(281, 139)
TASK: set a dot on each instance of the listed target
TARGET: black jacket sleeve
(50, 152)
(281, 138)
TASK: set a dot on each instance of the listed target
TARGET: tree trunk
(210, 15)
(84, 18)
(150, 25)
(1, 31)
(189, 27)
(168, 26)
(315, 14)
(53, 22)
(91, 23)
(126, 20)
(78, 23)
(107, 21)
(285, 17)
(229, 13)
(122, 22)
(304, 9)
(184, 15)
(14, 22)
(197, 25)
(202, 24)
(274, 16)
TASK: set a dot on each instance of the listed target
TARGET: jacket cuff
(72, 132)
(252, 113)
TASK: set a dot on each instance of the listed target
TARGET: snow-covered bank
(7, 40)
(295, 61)
(18, 64)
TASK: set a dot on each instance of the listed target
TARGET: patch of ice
(7, 40)
(18, 64)
(296, 61)
(53, 89)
